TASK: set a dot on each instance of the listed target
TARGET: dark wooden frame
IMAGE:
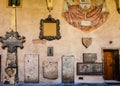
(90, 70)
(49, 20)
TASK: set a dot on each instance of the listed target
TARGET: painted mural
(85, 14)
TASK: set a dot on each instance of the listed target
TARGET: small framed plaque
(50, 51)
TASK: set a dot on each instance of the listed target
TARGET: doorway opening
(111, 64)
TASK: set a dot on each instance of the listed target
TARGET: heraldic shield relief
(85, 14)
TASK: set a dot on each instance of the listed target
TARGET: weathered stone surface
(11, 60)
(11, 69)
(31, 68)
(68, 69)
(89, 57)
(12, 41)
(50, 70)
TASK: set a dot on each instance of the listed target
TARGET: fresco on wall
(85, 14)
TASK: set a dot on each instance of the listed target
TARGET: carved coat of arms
(86, 42)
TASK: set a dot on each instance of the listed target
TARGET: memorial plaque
(89, 57)
(68, 69)
(50, 70)
(89, 68)
(31, 68)
(50, 51)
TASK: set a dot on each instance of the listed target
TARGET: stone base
(62, 84)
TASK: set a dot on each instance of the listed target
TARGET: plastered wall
(28, 24)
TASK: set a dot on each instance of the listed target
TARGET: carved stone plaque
(50, 70)
(89, 57)
(89, 68)
(68, 69)
(31, 68)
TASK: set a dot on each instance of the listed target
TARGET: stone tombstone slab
(68, 69)
(50, 70)
(31, 68)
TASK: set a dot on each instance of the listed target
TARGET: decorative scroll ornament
(86, 42)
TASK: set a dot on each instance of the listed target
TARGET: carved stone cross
(12, 40)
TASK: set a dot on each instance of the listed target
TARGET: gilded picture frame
(49, 29)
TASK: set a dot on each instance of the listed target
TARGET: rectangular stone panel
(89, 68)
(31, 68)
(68, 69)
(50, 70)
(89, 57)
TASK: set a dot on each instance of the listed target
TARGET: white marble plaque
(86, 23)
(68, 69)
(31, 68)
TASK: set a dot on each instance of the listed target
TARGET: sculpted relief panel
(85, 14)
(50, 70)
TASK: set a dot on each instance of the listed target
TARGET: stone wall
(28, 19)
